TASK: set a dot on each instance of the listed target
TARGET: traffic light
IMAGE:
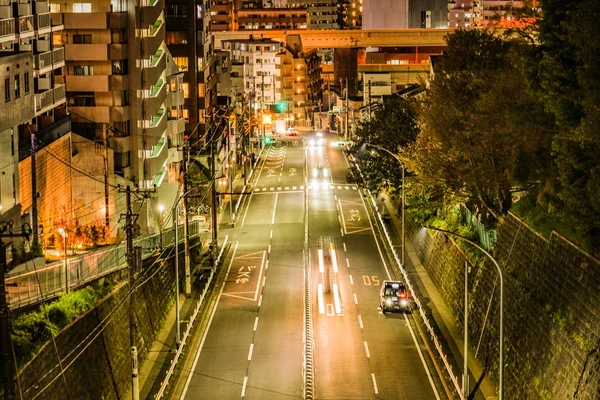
(280, 106)
(268, 139)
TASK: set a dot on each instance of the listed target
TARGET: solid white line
(244, 386)
(189, 379)
(334, 261)
(359, 322)
(267, 265)
(260, 300)
(351, 280)
(355, 299)
(344, 246)
(262, 262)
(255, 323)
(250, 352)
(320, 298)
(367, 349)
(342, 213)
(269, 251)
(412, 333)
(271, 235)
(336, 299)
(374, 384)
(347, 263)
(321, 262)
(274, 208)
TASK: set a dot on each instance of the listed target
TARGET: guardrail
(408, 284)
(186, 334)
(36, 284)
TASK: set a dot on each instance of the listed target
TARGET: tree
(569, 70)
(483, 134)
(394, 125)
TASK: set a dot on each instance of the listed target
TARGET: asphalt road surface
(304, 219)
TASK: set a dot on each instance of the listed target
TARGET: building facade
(482, 13)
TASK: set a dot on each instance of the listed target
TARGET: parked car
(292, 132)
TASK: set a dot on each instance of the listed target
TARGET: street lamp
(64, 235)
(401, 166)
(501, 356)
(161, 209)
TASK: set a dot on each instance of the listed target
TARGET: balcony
(117, 20)
(119, 82)
(94, 20)
(299, 97)
(57, 22)
(42, 62)
(60, 94)
(157, 127)
(43, 101)
(120, 144)
(156, 35)
(175, 98)
(154, 69)
(119, 114)
(155, 162)
(25, 27)
(175, 130)
(151, 10)
(117, 51)
(86, 52)
(88, 83)
(155, 99)
(58, 57)
(87, 114)
(43, 23)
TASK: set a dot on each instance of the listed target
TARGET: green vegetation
(32, 330)
(516, 113)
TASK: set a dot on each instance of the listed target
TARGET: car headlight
(311, 142)
(403, 303)
(388, 302)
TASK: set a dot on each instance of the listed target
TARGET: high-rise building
(403, 14)
(188, 27)
(480, 13)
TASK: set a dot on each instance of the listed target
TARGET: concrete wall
(551, 303)
(97, 362)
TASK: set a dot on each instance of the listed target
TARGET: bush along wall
(551, 308)
(94, 350)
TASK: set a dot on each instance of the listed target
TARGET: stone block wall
(551, 308)
(103, 369)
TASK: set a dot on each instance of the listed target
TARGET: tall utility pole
(129, 229)
(346, 131)
(34, 211)
(242, 132)
(186, 236)
(105, 159)
(262, 109)
(213, 189)
(230, 166)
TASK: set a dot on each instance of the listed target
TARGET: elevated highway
(346, 39)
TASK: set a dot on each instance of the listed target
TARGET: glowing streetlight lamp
(65, 235)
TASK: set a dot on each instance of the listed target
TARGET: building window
(7, 89)
(83, 70)
(118, 6)
(17, 86)
(81, 99)
(186, 115)
(176, 10)
(201, 90)
(119, 67)
(82, 39)
(175, 37)
(26, 83)
(186, 89)
(82, 7)
(182, 63)
(12, 142)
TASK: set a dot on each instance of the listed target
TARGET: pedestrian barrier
(39, 284)
(186, 334)
(434, 338)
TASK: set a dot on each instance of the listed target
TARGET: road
(304, 229)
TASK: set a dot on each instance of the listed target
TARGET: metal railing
(43, 100)
(25, 24)
(7, 27)
(43, 60)
(34, 285)
(44, 21)
(59, 92)
(58, 55)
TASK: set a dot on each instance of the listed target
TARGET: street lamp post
(401, 166)
(64, 235)
(501, 345)
(177, 321)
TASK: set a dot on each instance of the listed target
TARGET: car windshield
(389, 291)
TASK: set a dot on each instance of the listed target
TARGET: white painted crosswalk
(309, 187)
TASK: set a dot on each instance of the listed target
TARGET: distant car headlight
(388, 302)
(319, 134)
(311, 142)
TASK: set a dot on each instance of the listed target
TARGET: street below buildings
(305, 230)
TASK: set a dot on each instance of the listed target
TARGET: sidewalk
(154, 368)
(443, 317)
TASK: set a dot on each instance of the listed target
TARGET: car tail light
(403, 294)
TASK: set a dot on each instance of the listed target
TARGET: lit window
(201, 90)
(186, 89)
(182, 63)
(186, 115)
(82, 7)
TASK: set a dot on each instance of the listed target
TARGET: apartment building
(350, 14)
(259, 57)
(480, 13)
(301, 83)
(272, 18)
